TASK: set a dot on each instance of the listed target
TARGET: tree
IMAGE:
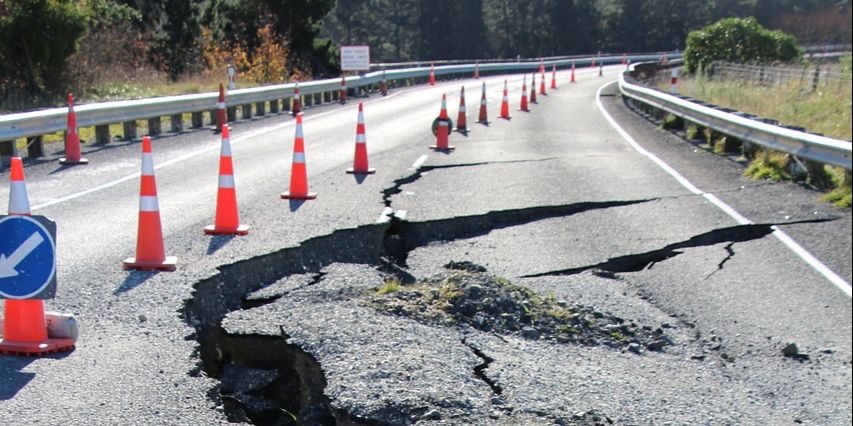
(36, 39)
(738, 40)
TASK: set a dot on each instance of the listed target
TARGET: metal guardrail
(38, 123)
(801, 144)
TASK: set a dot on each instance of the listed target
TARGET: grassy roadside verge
(826, 109)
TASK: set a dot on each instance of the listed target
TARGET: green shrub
(770, 165)
(738, 40)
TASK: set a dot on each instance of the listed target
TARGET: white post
(231, 72)
(674, 81)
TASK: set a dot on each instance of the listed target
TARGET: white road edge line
(214, 147)
(419, 162)
(789, 242)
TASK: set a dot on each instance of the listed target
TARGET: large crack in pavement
(640, 261)
(294, 392)
(417, 173)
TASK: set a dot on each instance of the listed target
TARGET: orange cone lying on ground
(297, 101)
(442, 133)
(72, 140)
(554, 76)
(483, 118)
(221, 117)
(298, 172)
(343, 95)
(505, 104)
(227, 220)
(533, 89)
(24, 327)
(432, 74)
(462, 116)
(150, 254)
(573, 72)
(523, 106)
(359, 163)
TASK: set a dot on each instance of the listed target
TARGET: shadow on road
(217, 242)
(13, 378)
(296, 204)
(134, 279)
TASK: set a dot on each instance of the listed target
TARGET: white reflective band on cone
(226, 181)
(147, 164)
(226, 148)
(221, 105)
(359, 138)
(148, 203)
(299, 131)
(19, 203)
(462, 108)
(299, 158)
(442, 124)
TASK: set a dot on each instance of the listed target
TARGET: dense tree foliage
(738, 40)
(47, 44)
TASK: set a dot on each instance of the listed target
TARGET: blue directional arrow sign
(27, 257)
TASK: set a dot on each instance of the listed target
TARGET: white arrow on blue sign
(27, 257)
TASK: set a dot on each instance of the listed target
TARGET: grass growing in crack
(493, 304)
(390, 286)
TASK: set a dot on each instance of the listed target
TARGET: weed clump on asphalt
(466, 296)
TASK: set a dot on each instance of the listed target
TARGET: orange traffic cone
(442, 133)
(297, 101)
(221, 117)
(298, 173)
(593, 63)
(72, 140)
(523, 106)
(542, 66)
(343, 96)
(542, 84)
(554, 76)
(383, 86)
(477, 70)
(601, 69)
(227, 219)
(573, 72)
(483, 119)
(24, 326)
(533, 89)
(462, 116)
(150, 254)
(624, 59)
(359, 163)
(432, 74)
(505, 104)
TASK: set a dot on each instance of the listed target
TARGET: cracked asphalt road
(554, 200)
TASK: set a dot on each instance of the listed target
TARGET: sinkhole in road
(266, 380)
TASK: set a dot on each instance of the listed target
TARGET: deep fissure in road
(294, 391)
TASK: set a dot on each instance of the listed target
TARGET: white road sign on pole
(355, 58)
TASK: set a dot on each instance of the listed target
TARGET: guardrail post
(102, 134)
(285, 104)
(129, 130)
(212, 115)
(231, 113)
(197, 120)
(260, 109)
(35, 147)
(177, 123)
(318, 98)
(274, 106)
(8, 149)
(246, 111)
(327, 97)
(308, 100)
(154, 126)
